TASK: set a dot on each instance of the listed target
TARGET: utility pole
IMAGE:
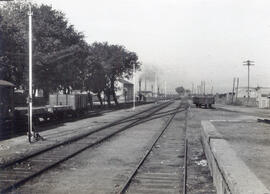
(248, 63)
(134, 83)
(30, 99)
(145, 83)
(203, 87)
(212, 87)
(165, 88)
(236, 93)
(140, 85)
(233, 89)
(156, 85)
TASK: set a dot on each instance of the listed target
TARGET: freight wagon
(74, 104)
(205, 100)
(6, 104)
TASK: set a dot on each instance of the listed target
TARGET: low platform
(238, 155)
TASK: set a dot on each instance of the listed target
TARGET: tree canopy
(62, 60)
(180, 90)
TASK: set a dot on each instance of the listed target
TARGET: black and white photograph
(135, 97)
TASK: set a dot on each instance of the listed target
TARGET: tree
(106, 64)
(180, 90)
(62, 60)
(56, 64)
(93, 76)
(13, 43)
(118, 64)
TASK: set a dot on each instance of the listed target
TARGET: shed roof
(125, 82)
(6, 83)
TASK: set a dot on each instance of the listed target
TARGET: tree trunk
(113, 93)
(99, 98)
(115, 98)
(46, 93)
(108, 94)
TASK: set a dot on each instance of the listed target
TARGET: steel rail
(125, 186)
(42, 126)
(161, 114)
(185, 167)
(120, 121)
(30, 175)
(117, 122)
(185, 153)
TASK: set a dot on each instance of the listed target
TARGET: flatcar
(6, 105)
(14, 115)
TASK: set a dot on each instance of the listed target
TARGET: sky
(186, 40)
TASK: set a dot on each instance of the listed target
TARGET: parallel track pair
(18, 172)
(151, 146)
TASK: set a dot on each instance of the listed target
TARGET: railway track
(21, 125)
(161, 167)
(18, 172)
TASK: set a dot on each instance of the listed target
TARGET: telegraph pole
(212, 87)
(233, 89)
(30, 99)
(165, 88)
(203, 87)
(145, 83)
(156, 85)
(248, 63)
(236, 93)
(134, 83)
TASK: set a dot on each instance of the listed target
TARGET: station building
(124, 91)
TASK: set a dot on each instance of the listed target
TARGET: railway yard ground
(143, 151)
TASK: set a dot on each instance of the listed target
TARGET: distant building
(124, 91)
(264, 101)
(263, 97)
(243, 92)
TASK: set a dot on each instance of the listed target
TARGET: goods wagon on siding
(205, 100)
(6, 104)
(73, 104)
(77, 102)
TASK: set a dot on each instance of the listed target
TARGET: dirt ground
(105, 168)
(99, 170)
(251, 141)
(248, 138)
